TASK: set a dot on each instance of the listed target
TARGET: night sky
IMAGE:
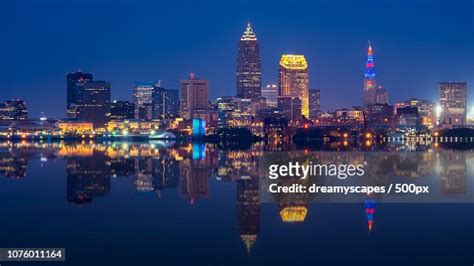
(416, 44)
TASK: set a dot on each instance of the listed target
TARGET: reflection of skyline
(90, 168)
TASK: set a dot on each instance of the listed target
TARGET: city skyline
(423, 57)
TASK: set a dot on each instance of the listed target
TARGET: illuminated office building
(370, 84)
(453, 98)
(142, 98)
(194, 97)
(294, 81)
(249, 69)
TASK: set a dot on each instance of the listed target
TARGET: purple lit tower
(369, 211)
(370, 84)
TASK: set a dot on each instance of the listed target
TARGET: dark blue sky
(416, 44)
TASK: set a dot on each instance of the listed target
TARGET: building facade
(194, 97)
(381, 95)
(93, 103)
(294, 80)
(270, 93)
(142, 98)
(453, 101)
(74, 84)
(122, 110)
(314, 103)
(290, 107)
(165, 103)
(249, 69)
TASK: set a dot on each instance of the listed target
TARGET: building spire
(248, 35)
(369, 65)
(369, 50)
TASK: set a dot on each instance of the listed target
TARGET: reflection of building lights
(293, 214)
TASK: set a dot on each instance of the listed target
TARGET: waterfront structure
(453, 98)
(122, 110)
(194, 97)
(370, 84)
(142, 98)
(133, 125)
(74, 126)
(354, 115)
(426, 110)
(93, 102)
(270, 93)
(74, 84)
(249, 69)
(13, 110)
(294, 81)
(314, 103)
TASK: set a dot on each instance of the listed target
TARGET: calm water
(163, 204)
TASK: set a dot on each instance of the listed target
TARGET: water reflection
(188, 168)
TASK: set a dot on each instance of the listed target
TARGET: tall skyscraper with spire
(249, 69)
(370, 84)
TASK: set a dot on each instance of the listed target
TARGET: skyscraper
(164, 103)
(142, 98)
(74, 83)
(172, 103)
(314, 104)
(93, 102)
(370, 84)
(294, 81)
(453, 98)
(249, 70)
(270, 93)
(194, 97)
